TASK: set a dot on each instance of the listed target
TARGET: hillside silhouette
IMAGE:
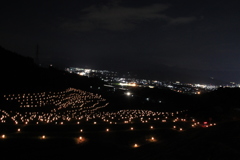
(20, 74)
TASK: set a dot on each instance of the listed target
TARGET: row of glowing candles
(49, 94)
(132, 128)
(82, 139)
(72, 115)
(151, 127)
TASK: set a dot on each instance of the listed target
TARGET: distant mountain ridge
(165, 73)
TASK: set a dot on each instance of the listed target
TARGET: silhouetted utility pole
(37, 53)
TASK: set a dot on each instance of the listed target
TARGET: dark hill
(21, 74)
(221, 105)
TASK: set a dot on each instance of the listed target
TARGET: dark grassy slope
(221, 105)
(21, 74)
(158, 99)
(214, 143)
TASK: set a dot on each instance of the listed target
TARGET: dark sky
(201, 35)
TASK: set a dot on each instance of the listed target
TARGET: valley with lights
(46, 113)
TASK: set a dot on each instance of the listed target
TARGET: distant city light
(128, 84)
(115, 80)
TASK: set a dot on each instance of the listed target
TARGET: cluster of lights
(62, 99)
(68, 105)
(91, 116)
(77, 107)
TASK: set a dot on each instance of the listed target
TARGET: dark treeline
(20, 74)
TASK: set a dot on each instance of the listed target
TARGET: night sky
(197, 35)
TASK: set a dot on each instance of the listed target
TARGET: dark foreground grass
(61, 142)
